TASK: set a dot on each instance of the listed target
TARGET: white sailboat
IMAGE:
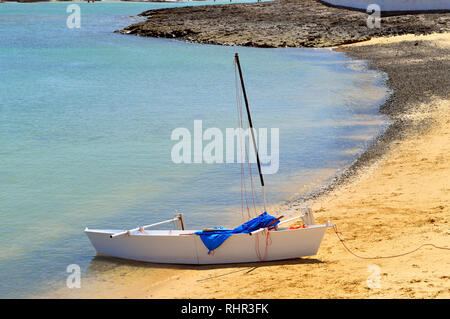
(183, 246)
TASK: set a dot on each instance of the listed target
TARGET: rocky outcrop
(282, 23)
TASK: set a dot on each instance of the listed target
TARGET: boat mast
(236, 58)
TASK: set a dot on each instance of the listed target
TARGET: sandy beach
(396, 198)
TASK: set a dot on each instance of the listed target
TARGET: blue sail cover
(213, 239)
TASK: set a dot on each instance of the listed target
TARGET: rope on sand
(382, 257)
(345, 246)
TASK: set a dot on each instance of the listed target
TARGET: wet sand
(395, 198)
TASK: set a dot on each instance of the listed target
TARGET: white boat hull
(178, 247)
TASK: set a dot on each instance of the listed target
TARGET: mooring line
(383, 257)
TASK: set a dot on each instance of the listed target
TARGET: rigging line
(253, 189)
(247, 160)
(241, 94)
(252, 185)
(240, 124)
(236, 59)
(239, 121)
(249, 118)
(383, 257)
(258, 253)
(243, 157)
(268, 242)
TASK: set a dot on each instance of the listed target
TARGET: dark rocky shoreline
(281, 23)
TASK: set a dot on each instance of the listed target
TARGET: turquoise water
(86, 117)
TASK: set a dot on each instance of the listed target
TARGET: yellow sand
(438, 39)
(395, 206)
